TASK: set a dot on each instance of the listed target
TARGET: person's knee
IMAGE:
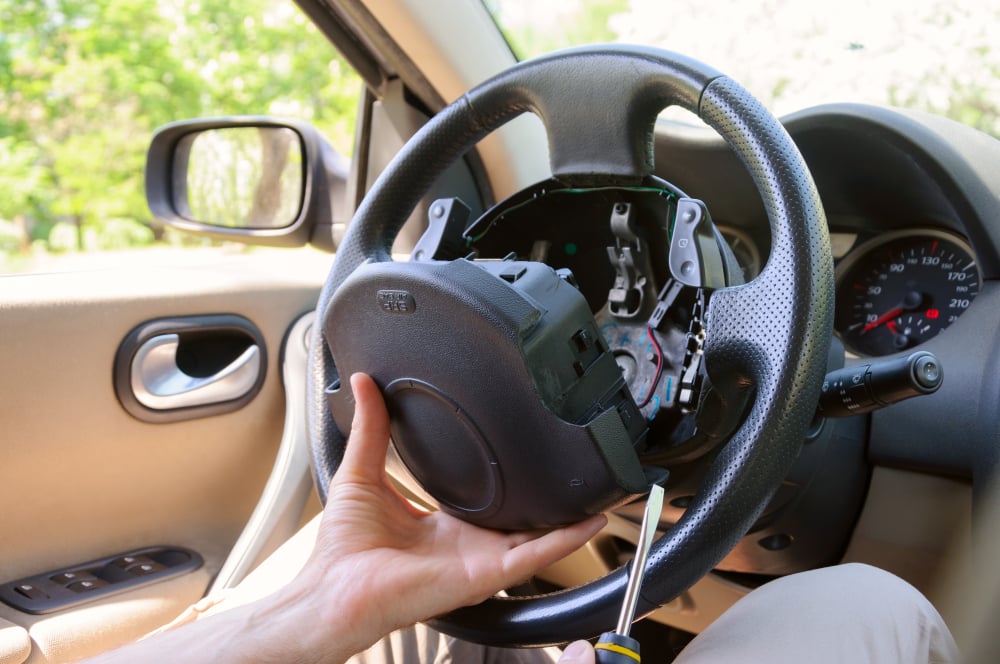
(872, 586)
(849, 612)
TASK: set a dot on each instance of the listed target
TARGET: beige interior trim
(692, 611)
(191, 483)
(279, 511)
(909, 524)
(440, 43)
(970, 587)
(15, 645)
(456, 50)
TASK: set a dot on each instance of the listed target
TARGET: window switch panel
(64, 588)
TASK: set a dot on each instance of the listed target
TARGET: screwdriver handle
(615, 648)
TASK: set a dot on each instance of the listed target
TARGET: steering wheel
(769, 336)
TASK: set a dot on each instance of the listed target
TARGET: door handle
(158, 383)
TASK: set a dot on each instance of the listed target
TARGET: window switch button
(69, 577)
(142, 569)
(127, 561)
(87, 585)
(30, 591)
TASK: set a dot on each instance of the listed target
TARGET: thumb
(578, 652)
(369, 439)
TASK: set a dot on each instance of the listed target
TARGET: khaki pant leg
(850, 613)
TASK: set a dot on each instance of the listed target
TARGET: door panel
(81, 478)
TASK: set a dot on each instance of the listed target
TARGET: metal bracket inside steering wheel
(769, 336)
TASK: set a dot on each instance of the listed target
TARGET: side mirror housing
(250, 179)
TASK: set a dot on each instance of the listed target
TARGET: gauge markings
(899, 292)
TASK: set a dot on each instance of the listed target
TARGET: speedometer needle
(910, 301)
(889, 315)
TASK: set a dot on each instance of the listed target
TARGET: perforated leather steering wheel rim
(771, 335)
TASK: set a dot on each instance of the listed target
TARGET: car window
(83, 85)
(933, 55)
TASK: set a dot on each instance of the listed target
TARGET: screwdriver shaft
(647, 532)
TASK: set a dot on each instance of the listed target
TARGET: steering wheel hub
(506, 404)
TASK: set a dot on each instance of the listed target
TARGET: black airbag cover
(560, 443)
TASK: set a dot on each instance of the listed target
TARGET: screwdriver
(618, 647)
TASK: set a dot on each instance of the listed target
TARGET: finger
(530, 556)
(369, 439)
(578, 652)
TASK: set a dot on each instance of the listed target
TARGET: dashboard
(894, 289)
(913, 209)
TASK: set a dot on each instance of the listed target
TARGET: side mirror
(250, 179)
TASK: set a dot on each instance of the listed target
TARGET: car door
(83, 479)
(151, 398)
(141, 393)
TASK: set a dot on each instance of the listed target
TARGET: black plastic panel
(880, 170)
(71, 586)
(809, 520)
(519, 325)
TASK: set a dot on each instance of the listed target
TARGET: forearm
(281, 628)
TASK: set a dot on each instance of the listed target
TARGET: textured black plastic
(771, 334)
(499, 415)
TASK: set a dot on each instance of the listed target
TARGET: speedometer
(900, 289)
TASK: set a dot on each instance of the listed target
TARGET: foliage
(931, 55)
(84, 83)
(247, 177)
(25, 190)
(531, 32)
(10, 236)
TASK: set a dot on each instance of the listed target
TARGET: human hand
(381, 564)
(578, 652)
